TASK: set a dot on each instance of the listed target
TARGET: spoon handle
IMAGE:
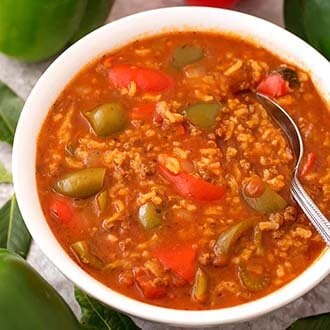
(320, 222)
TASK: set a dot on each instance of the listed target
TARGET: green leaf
(14, 235)
(293, 17)
(317, 322)
(5, 176)
(10, 108)
(316, 20)
(97, 316)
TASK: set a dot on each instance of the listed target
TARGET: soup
(163, 177)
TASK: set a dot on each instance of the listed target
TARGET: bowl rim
(26, 191)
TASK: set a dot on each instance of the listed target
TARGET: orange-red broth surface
(185, 201)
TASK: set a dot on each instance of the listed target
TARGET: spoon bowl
(293, 135)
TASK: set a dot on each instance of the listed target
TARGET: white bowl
(101, 41)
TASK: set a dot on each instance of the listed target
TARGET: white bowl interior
(101, 41)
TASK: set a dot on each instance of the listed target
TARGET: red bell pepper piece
(180, 259)
(62, 209)
(212, 3)
(144, 281)
(274, 85)
(311, 159)
(191, 187)
(143, 111)
(146, 80)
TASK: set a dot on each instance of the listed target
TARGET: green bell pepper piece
(148, 216)
(27, 301)
(201, 286)
(261, 198)
(257, 238)
(95, 15)
(269, 202)
(229, 237)
(82, 183)
(203, 115)
(82, 252)
(186, 54)
(102, 200)
(33, 30)
(107, 119)
(250, 282)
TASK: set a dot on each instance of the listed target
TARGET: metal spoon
(286, 123)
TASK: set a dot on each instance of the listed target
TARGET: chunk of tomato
(274, 85)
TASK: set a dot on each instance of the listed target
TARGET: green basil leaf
(293, 17)
(14, 235)
(97, 316)
(5, 176)
(316, 21)
(317, 322)
(10, 108)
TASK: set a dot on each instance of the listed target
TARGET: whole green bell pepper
(95, 15)
(34, 30)
(27, 301)
(309, 19)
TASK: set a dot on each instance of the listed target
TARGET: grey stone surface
(21, 77)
